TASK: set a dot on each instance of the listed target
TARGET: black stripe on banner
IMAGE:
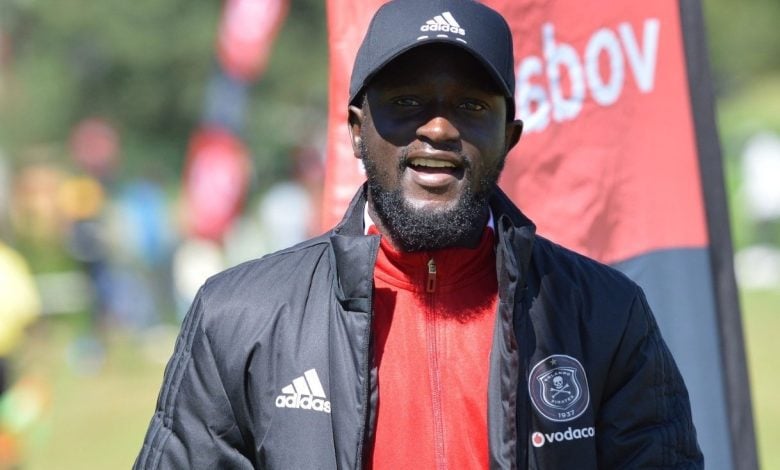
(737, 385)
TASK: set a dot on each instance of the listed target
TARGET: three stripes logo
(443, 23)
(305, 393)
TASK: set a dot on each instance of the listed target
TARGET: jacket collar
(352, 223)
(515, 235)
(355, 256)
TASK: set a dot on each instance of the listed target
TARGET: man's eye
(406, 101)
(473, 106)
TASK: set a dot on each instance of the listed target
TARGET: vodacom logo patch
(539, 439)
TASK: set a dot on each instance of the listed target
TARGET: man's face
(433, 136)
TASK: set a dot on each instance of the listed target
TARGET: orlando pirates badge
(558, 388)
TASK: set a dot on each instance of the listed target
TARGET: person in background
(20, 305)
(432, 328)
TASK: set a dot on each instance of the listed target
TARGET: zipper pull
(431, 285)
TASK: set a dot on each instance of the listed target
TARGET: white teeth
(432, 163)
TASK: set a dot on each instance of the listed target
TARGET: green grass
(761, 322)
(98, 421)
(93, 420)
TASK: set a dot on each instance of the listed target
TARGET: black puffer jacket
(273, 365)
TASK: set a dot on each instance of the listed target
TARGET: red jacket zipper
(430, 285)
(433, 367)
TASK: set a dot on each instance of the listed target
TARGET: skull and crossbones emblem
(559, 387)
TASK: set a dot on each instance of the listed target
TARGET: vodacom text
(537, 104)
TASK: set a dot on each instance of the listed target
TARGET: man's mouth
(434, 165)
(435, 174)
(431, 163)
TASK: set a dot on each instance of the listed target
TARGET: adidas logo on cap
(443, 23)
(304, 393)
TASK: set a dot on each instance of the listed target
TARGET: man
(431, 328)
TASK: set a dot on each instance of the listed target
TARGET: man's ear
(514, 129)
(355, 120)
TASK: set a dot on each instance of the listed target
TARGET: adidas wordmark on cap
(401, 25)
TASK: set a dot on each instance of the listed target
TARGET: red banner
(246, 33)
(607, 164)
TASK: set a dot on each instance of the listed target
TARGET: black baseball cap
(401, 25)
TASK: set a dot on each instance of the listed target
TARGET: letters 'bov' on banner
(613, 164)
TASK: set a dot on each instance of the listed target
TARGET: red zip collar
(443, 270)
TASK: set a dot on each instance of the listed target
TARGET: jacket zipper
(430, 285)
(433, 368)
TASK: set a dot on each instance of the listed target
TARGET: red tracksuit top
(434, 314)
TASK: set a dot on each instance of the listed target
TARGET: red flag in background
(215, 182)
(616, 161)
(347, 23)
(218, 165)
(246, 33)
(608, 144)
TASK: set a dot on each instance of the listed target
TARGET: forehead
(433, 65)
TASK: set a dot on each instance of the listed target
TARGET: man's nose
(438, 128)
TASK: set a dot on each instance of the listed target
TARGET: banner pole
(737, 382)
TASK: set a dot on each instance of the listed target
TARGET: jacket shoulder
(583, 298)
(273, 268)
(580, 271)
(256, 290)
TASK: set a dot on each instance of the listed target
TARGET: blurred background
(107, 129)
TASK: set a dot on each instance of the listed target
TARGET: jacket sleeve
(645, 419)
(193, 425)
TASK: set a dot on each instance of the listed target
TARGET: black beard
(413, 229)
